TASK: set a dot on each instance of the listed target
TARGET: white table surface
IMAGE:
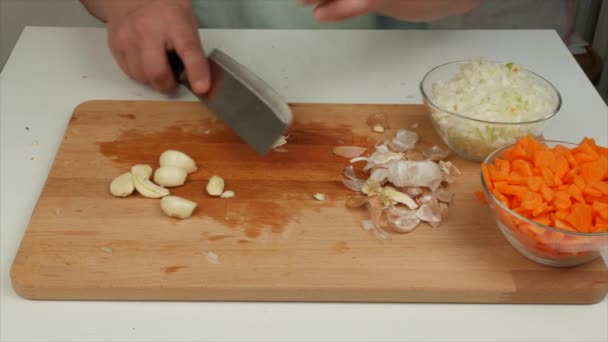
(52, 70)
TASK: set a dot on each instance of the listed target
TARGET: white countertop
(52, 70)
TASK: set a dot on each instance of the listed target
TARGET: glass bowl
(475, 139)
(543, 244)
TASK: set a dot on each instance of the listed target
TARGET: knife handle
(177, 67)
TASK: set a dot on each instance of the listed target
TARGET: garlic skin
(144, 170)
(143, 184)
(215, 187)
(178, 159)
(170, 176)
(178, 207)
(122, 186)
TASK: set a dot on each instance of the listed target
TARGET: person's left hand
(337, 10)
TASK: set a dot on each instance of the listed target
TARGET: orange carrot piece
(503, 165)
(547, 193)
(502, 198)
(581, 217)
(576, 193)
(560, 167)
(561, 200)
(579, 182)
(601, 209)
(600, 186)
(532, 201)
(515, 190)
(591, 190)
(593, 171)
(516, 179)
(481, 197)
(522, 168)
(535, 182)
(547, 175)
(601, 224)
(540, 208)
(486, 176)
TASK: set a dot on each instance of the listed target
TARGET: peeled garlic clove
(227, 194)
(145, 187)
(178, 159)
(144, 170)
(170, 176)
(178, 207)
(319, 196)
(122, 186)
(215, 187)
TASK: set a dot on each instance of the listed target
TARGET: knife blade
(247, 104)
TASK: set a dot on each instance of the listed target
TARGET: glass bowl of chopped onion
(478, 106)
(539, 231)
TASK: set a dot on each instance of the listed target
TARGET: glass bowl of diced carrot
(550, 199)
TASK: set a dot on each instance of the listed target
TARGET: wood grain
(273, 241)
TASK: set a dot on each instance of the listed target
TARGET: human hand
(140, 38)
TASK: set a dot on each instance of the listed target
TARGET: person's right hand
(140, 38)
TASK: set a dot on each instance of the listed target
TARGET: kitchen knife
(249, 106)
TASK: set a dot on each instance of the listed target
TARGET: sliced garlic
(215, 187)
(319, 196)
(178, 159)
(122, 186)
(144, 186)
(170, 176)
(144, 170)
(227, 194)
(178, 207)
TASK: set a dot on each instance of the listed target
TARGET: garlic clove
(122, 186)
(144, 186)
(227, 194)
(215, 187)
(170, 176)
(178, 159)
(319, 196)
(178, 207)
(144, 170)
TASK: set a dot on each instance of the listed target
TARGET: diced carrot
(548, 176)
(547, 193)
(601, 209)
(532, 201)
(507, 189)
(521, 167)
(503, 165)
(561, 200)
(576, 193)
(579, 182)
(558, 187)
(516, 179)
(591, 190)
(486, 176)
(601, 224)
(535, 182)
(481, 197)
(540, 208)
(594, 170)
(581, 217)
(502, 198)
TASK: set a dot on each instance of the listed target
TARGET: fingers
(156, 67)
(187, 44)
(336, 10)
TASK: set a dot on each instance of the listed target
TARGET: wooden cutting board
(273, 241)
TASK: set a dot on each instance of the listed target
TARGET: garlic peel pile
(405, 185)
